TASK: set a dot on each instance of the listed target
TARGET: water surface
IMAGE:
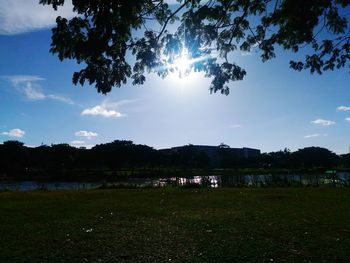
(338, 179)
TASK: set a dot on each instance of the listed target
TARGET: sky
(273, 108)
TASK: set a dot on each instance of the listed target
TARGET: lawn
(176, 225)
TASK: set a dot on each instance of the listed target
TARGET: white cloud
(99, 110)
(343, 108)
(32, 93)
(117, 104)
(235, 126)
(87, 134)
(29, 87)
(347, 119)
(18, 133)
(108, 109)
(314, 135)
(20, 16)
(60, 98)
(323, 122)
(17, 79)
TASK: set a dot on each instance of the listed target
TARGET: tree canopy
(60, 160)
(120, 41)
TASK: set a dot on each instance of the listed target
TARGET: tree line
(19, 161)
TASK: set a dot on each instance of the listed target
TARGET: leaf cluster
(118, 41)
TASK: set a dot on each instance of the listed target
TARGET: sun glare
(182, 75)
(183, 65)
(181, 70)
(182, 81)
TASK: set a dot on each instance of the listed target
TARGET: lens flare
(182, 64)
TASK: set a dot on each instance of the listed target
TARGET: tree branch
(239, 22)
(170, 17)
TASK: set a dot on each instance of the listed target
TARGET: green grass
(176, 225)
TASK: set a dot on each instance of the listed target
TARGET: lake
(338, 179)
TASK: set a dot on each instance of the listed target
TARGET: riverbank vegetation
(123, 159)
(176, 225)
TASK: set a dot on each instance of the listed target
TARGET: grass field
(176, 225)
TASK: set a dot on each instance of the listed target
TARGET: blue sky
(272, 108)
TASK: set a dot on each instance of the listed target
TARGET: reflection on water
(210, 181)
(338, 179)
(51, 186)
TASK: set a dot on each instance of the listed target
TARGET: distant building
(214, 152)
(250, 152)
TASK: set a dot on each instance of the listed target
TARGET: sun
(181, 74)
(182, 64)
